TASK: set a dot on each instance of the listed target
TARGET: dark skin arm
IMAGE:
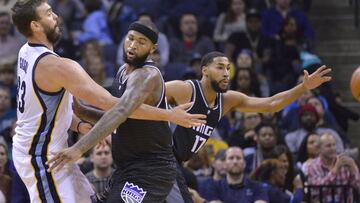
(141, 83)
(87, 113)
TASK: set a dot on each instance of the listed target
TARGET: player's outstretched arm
(177, 115)
(65, 73)
(277, 102)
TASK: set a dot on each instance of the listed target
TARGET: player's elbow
(274, 106)
(106, 102)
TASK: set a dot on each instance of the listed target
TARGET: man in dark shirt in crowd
(102, 161)
(236, 188)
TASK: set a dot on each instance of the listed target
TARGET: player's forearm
(105, 126)
(147, 112)
(90, 114)
(126, 105)
(283, 99)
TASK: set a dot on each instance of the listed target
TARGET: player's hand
(84, 128)
(179, 116)
(317, 78)
(66, 156)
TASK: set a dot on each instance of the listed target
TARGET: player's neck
(41, 40)
(209, 92)
(129, 69)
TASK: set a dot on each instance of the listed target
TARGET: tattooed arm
(141, 83)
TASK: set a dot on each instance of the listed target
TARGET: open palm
(317, 78)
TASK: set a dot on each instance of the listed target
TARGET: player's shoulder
(179, 87)
(57, 62)
(179, 84)
(232, 97)
(231, 94)
(147, 73)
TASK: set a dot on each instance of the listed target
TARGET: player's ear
(204, 70)
(153, 48)
(35, 26)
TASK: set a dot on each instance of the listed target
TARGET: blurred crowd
(269, 42)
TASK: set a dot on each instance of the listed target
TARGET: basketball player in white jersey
(46, 83)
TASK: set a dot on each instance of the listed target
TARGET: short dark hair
(262, 125)
(23, 12)
(209, 57)
(92, 5)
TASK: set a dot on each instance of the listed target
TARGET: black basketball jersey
(140, 139)
(188, 141)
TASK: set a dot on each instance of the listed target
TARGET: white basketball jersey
(43, 117)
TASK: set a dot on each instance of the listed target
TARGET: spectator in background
(72, 12)
(272, 172)
(219, 172)
(282, 153)
(244, 134)
(92, 49)
(163, 43)
(7, 78)
(195, 65)
(102, 161)
(308, 151)
(119, 17)
(200, 165)
(245, 59)
(95, 25)
(190, 41)
(246, 81)
(309, 118)
(260, 5)
(273, 19)
(261, 46)
(291, 37)
(9, 43)
(7, 114)
(326, 118)
(266, 140)
(6, 5)
(331, 169)
(5, 180)
(236, 187)
(233, 20)
(19, 193)
(95, 67)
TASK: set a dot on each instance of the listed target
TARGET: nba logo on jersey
(132, 193)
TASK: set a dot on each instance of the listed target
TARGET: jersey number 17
(196, 147)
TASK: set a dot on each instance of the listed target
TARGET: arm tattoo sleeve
(141, 82)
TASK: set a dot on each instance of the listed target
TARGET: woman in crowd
(272, 172)
(233, 20)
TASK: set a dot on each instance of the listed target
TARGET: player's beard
(137, 62)
(216, 86)
(51, 34)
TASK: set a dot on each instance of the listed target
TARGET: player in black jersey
(142, 150)
(210, 96)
